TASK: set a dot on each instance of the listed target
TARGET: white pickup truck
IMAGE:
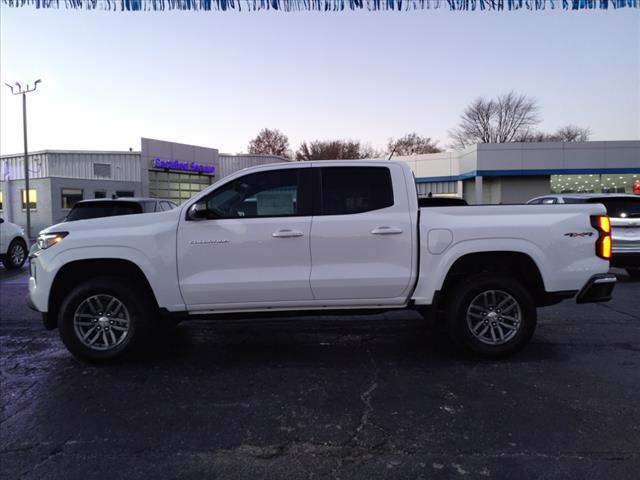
(309, 237)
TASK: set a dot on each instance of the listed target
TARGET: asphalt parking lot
(387, 396)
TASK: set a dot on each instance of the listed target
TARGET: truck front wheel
(492, 315)
(104, 318)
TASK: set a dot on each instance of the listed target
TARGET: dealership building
(162, 169)
(483, 173)
(495, 173)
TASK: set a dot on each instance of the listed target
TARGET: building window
(436, 188)
(33, 199)
(594, 183)
(70, 196)
(99, 194)
(176, 187)
(125, 193)
(102, 170)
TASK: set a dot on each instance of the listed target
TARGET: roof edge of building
(91, 152)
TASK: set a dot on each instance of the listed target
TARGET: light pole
(20, 91)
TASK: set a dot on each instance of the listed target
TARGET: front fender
(161, 274)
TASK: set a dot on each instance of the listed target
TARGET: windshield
(86, 210)
(620, 207)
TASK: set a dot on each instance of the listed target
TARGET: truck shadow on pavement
(325, 342)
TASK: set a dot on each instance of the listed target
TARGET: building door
(176, 186)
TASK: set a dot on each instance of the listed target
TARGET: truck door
(361, 235)
(253, 246)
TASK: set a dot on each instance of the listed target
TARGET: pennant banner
(321, 5)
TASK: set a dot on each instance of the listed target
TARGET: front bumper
(598, 289)
(37, 298)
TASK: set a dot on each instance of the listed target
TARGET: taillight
(603, 244)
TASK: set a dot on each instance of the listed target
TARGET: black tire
(16, 255)
(137, 307)
(468, 291)
(633, 272)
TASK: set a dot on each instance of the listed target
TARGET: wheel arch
(517, 264)
(74, 272)
(18, 238)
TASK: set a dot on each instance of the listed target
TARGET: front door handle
(287, 233)
(386, 231)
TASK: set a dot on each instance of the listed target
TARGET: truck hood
(116, 222)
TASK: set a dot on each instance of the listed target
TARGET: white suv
(13, 245)
(624, 212)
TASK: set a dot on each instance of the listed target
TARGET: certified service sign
(184, 166)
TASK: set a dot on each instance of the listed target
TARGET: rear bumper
(598, 289)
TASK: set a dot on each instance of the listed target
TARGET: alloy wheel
(101, 322)
(494, 317)
(17, 254)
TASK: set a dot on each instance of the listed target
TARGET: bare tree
(569, 133)
(333, 150)
(497, 120)
(413, 144)
(573, 133)
(270, 142)
(367, 151)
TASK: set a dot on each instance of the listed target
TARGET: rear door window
(350, 190)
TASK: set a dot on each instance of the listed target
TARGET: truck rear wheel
(492, 315)
(104, 319)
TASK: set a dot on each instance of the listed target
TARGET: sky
(216, 78)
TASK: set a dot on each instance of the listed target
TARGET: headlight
(49, 239)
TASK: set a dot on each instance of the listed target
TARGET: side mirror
(1, 220)
(198, 211)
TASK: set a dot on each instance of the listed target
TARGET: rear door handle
(386, 231)
(287, 233)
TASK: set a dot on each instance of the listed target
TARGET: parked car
(624, 211)
(313, 237)
(13, 245)
(106, 207)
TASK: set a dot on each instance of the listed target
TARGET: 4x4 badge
(578, 234)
